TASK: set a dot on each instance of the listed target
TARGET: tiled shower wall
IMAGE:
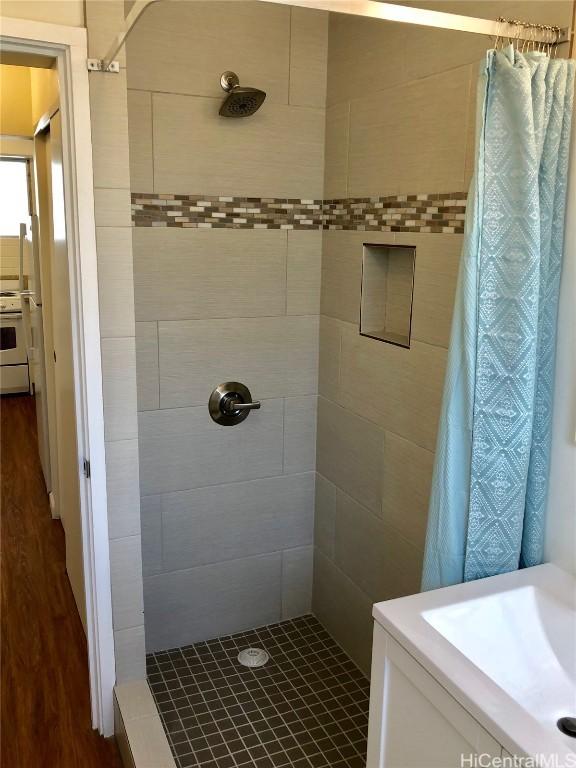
(399, 122)
(227, 513)
(227, 275)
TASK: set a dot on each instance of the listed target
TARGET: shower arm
(370, 8)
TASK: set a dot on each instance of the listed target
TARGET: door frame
(68, 45)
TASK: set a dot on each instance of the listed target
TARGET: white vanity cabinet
(414, 721)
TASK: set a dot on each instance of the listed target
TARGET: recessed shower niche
(387, 290)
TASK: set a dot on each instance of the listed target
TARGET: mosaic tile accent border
(306, 708)
(202, 211)
(435, 213)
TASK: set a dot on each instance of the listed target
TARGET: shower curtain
(488, 498)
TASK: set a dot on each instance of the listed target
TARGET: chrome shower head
(241, 101)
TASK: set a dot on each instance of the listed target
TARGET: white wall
(69, 12)
(561, 531)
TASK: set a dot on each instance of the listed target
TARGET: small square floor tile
(306, 708)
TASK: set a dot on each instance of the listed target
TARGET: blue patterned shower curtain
(488, 499)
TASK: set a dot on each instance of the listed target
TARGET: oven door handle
(10, 316)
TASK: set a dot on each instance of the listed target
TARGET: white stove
(10, 302)
(13, 356)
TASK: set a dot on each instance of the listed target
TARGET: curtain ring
(519, 27)
(498, 31)
(541, 43)
(501, 30)
(537, 43)
(556, 39)
(524, 39)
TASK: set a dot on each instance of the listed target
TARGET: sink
(524, 640)
(504, 647)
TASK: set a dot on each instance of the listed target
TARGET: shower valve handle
(235, 405)
(230, 403)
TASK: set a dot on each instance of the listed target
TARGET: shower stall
(294, 278)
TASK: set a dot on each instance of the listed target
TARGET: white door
(31, 297)
(43, 190)
(68, 461)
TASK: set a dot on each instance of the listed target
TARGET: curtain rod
(372, 9)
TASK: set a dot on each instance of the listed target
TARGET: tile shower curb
(139, 732)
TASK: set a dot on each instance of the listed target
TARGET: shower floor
(307, 707)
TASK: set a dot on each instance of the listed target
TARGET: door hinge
(86, 465)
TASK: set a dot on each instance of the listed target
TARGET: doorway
(57, 288)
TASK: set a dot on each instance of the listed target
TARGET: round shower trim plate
(253, 657)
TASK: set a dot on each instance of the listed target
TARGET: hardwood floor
(45, 704)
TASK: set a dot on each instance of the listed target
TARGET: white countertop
(505, 648)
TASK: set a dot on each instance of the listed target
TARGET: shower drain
(253, 657)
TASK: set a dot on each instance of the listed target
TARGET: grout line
(152, 139)
(283, 435)
(289, 56)
(157, 322)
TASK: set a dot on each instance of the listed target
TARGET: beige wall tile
(210, 601)
(336, 150)
(377, 559)
(300, 434)
(407, 470)
(119, 388)
(350, 453)
(112, 208)
(115, 281)
(297, 567)
(343, 609)
(430, 51)
(325, 516)
(183, 448)
(109, 122)
(148, 374)
(329, 357)
(191, 273)
(130, 652)
(308, 57)
(151, 527)
(273, 357)
(235, 520)
(437, 262)
(140, 133)
(135, 700)
(194, 42)
(123, 489)
(365, 56)
(303, 272)
(103, 19)
(341, 288)
(342, 275)
(414, 140)
(126, 580)
(409, 383)
(472, 125)
(278, 152)
(148, 743)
